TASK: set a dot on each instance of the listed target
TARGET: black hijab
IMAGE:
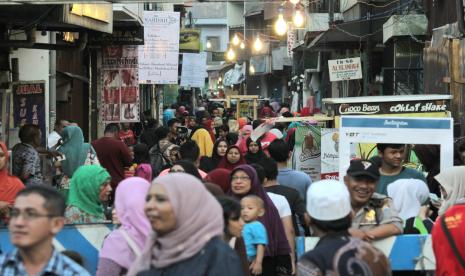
(252, 158)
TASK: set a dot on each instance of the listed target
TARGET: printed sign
(307, 151)
(329, 153)
(189, 40)
(194, 70)
(345, 69)
(159, 56)
(291, 41)
(395, 130)
(393, 107)
(29, 105)
(120, 97)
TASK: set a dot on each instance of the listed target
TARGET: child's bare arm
(256, 266)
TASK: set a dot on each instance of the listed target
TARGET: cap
(363, 168)
(328, 200)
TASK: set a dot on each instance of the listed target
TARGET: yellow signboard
(101, 12)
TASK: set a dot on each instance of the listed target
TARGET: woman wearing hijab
(208, 164)
(245, 134)
(9, 185)
(76, 152)
(208, 125)
(125, 244)
(203, 139)
(219, 177)
(254, 151)
(244, 181)
(452, 181)
(90, 186)
(187, 224)
(231, 159)
(410, 197)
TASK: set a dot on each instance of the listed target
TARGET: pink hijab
(199, 219)
(242, 142)
(129, 203)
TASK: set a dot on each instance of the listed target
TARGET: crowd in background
(199, 194)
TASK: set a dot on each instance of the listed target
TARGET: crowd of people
(198, 195)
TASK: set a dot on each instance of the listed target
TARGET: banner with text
(120, 97)
(345, 69)
(395, 130)
(29, 105)
(159, 56)
(194, 70)
(329, 153)
(306, 156)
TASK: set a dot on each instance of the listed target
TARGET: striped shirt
(12, 265)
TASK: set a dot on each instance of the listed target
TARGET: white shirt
(53, 138)
(280, 202)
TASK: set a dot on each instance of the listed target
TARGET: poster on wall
(194, 70)
(345, 69)
(120, 97)
(307, 151)
(29, 105)
(394, 130)
(159, 56)
(329, 153)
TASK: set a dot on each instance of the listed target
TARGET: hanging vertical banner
(307, 151)
(29, 105)
(329, 153)
(159, 56)
(194, 70)
(291, 41)
(120, 97)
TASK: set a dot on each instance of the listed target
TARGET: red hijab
(207, 124)
(219, 177)
(9, 185)
(225, 164)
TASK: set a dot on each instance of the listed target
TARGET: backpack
(158, 161)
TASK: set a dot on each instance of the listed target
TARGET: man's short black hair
(162, 132)
(333, 225)
(189, 151)
(270, 166)
(112, 128)
(224, 127)
(54, 201)
(260, 172)
(279, 150)
(382, 147)
(173, 121)
(27, 133)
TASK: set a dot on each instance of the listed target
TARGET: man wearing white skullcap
(337, 253)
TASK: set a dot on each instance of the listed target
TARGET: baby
(254, 233)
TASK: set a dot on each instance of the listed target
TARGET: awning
(334, 39)
(349, 35)
(219, 67)
(74, 76)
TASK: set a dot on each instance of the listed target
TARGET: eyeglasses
(28, 214)
(175, 171)
(241, 178)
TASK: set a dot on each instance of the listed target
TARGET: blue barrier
(405, 252)
(86, 239)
